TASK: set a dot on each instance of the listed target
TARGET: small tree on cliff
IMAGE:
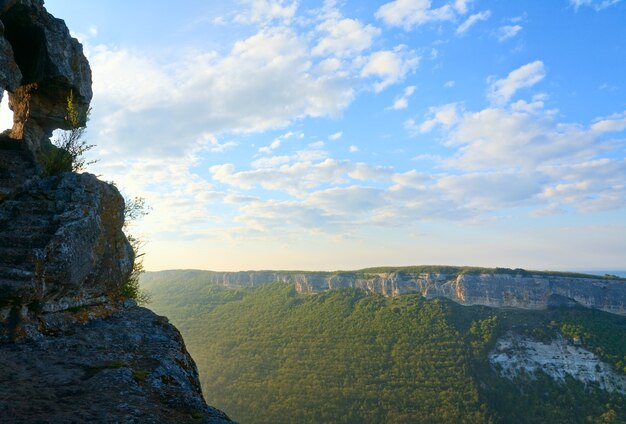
(69, 148)
(135, 209)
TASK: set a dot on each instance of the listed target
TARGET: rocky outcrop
(61, 239)
(72, 348)
(129, 368)
(61, 244)
(515, 355)
(506, 288)
(42, 64)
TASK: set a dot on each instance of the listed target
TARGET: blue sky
(272, 134)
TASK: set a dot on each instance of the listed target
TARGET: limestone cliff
(475, 286)
(72, 349)
(514, 355)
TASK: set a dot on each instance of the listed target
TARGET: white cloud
(444, 115)
(461, 6)
(295, 179)
(501, 91)
(265, 82)
(336, 136)
(276, 143)
(271, 161)
(389, 66)
(299, 177)
(344, 37)
(595, 4)
(179, 198)
(509, 155)
(506, 158)
(353, 201)
(272, 146)
(363, 172)
(214, 145)
(413, 179)
(492, 190)
(523, 156)
(613, 123)
(266, 11)
(409, 14)
(408, 91)
(497, 138)
(589, 186)
(402, 101)
(508, 31)
(473, 20)
(449, 84)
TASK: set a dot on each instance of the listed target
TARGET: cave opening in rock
(28, 44)
(6, 114)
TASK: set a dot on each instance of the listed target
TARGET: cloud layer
(266, 137)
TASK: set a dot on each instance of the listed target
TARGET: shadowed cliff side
(72, 349)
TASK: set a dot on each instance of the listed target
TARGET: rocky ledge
(131, 367)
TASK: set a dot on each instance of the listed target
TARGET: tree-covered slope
(269, 355)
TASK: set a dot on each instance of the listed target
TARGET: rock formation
(72, 349)
(497, 288)
(514, 355)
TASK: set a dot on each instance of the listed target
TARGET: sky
(326, 135)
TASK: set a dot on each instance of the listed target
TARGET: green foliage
(134, 209)
(56, 161)
(345, 356)
(67, 153)
(140, 375)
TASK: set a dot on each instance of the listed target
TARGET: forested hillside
(269, 355)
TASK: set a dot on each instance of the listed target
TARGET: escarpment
(72, 349)
(490, 287)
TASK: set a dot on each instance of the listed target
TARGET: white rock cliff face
(514, 354)
(513, 290)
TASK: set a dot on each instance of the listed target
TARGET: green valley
(270, 355)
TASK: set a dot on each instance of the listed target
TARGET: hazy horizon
(618, 272)
(280, 134)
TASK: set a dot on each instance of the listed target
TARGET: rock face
(61, 239)
(72, 349)
(61, 243)
(131, 367)
(514, 289)
(515, 355)
(46, 65)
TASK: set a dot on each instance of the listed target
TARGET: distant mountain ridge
(495, 287)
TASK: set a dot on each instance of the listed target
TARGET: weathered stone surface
(515, 355)
(71, 349)
(10, 75)
(129, 368)
(61, 243)
(17, 166)
(51, 64)
(514, 290)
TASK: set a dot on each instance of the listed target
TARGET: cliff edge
(499, 287)
(72, 349)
